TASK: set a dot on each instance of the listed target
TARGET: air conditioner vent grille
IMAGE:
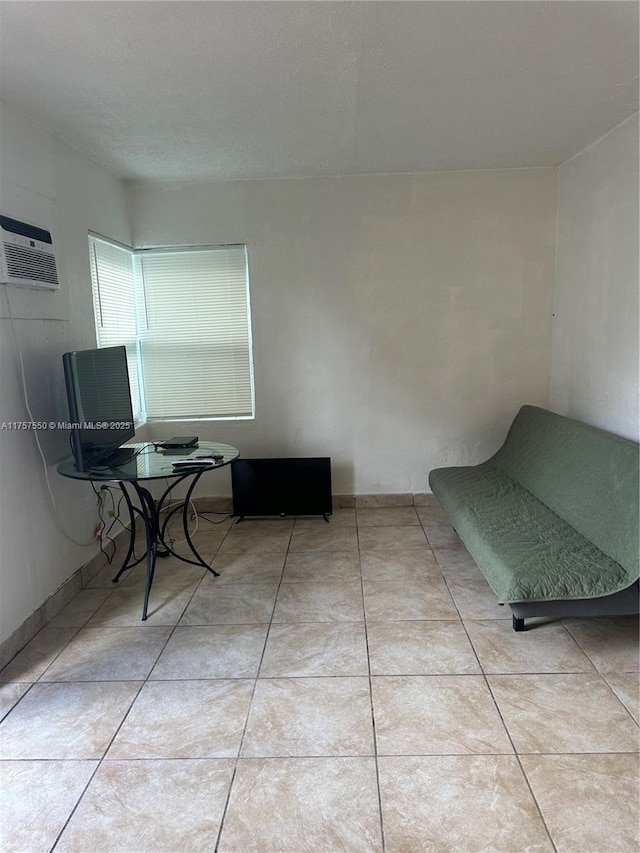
(31, 264)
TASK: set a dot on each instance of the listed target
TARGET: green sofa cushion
(587, 476)
(525, 550)
(553, 514)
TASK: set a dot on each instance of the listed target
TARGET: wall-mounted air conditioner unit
(27, 257)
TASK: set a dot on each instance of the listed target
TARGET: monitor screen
(99, 399)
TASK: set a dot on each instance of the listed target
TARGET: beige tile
(409, 599)
(103, 578)
(303, 805)
(123, 608)
(563, 713)
(185, 719)
(469, 803)
(384, 500)
(626, 686)
(107, 654)
(396, 565)
(31, 662)
(420, 648)
(475, 599)
(309, 716)
(37, 798)
(589, 802)
(80, 609)
(217, 604)
(324, 538)
(391, 538)
(10, 694)
(246, 568)
(432, 514)
(150, 806)
(457, 563)
(170, 574)
(243, 541)
(385, 516)
(441, 534)
(550, 648)
(441, 715)
(217, 651)
(206, 540)
(319, 602)
(322, 566)
(340, 517)
(74, 720)
(611, 641)
(308, 649)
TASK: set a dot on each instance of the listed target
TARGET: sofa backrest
(587, 476)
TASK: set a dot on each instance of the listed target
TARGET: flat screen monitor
(281, 486)
(100, 408)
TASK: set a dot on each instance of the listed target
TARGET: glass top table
(147, 463)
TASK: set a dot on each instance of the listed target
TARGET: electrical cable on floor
(227, 516)
(57, 518)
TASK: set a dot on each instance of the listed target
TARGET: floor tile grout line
(122, 722)
(520, 765)
(619, 700)
(506, 729)
(253, 692)
(240, 759)
(77, 804)
(98, 766)
(373, 713)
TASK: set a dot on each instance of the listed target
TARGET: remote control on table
(186, 464)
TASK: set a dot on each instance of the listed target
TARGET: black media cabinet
(282, 486)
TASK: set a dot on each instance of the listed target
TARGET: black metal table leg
(155, 532)
(184, 507)
(132, 537)
(150, 518)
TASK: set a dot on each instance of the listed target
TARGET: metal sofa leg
(518, 624)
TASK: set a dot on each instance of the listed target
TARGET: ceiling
(195, 91)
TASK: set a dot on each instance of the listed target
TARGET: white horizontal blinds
(195, 336)
(114, 306)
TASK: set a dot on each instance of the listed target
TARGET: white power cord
(56, 513)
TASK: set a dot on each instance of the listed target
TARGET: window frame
(141, 308)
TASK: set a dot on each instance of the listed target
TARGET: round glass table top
(147, 463)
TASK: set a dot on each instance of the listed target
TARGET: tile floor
(350, 686)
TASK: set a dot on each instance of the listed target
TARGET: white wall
(45, 182)
(595, 336)
(399, 321)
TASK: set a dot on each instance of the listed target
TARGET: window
(189, 308)
(114, 308)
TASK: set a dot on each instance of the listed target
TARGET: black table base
(149, 511)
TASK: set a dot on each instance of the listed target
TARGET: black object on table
(145, 463)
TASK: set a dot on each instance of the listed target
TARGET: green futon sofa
(552, 518)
